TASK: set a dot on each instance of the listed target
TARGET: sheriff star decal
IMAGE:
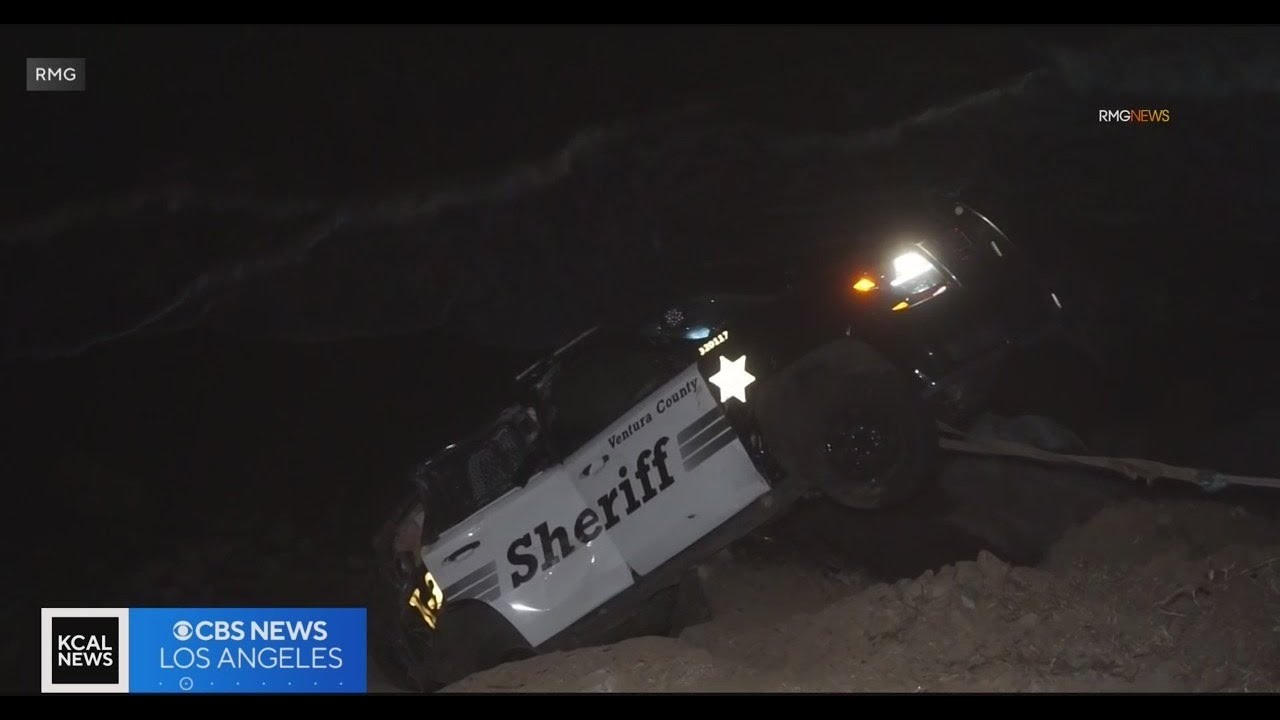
(732, 379)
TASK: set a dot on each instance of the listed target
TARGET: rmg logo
(1124, 116)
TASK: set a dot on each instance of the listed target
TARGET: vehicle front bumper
(947, 339)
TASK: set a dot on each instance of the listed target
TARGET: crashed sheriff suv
(638, 450)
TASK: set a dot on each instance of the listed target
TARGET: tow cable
(1132, 468)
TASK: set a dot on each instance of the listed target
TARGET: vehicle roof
(868, 219)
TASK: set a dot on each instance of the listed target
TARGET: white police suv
(640, 449)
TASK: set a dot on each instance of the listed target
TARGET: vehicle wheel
(397, 640)
(470, 637)
(876, 443)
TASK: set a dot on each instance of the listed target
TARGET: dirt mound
(1146, 596)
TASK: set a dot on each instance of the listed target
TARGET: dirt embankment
(1144, 596)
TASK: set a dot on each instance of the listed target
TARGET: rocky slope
(1159, 596)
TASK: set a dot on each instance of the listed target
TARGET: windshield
(473, 473)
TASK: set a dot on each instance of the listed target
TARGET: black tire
(396, 647)
(883, 414)
(822, 400)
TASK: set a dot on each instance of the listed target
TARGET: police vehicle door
(537, 555)
(669, 468)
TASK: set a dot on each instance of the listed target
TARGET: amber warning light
(864, 284)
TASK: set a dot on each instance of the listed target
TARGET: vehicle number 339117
(707, 346)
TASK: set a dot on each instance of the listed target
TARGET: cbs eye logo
(182, 630)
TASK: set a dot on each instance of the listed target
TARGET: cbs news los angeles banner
(203, 650)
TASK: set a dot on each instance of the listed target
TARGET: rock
(1080, 657)
(960, 649)
(961, 621)
(879, 593)
(886, 620)
(1039, 431)
(914, 591)
(992, 567)
(944, 583)
(1028, 621)
(968, 603)
(968, 574)
(1032, 579)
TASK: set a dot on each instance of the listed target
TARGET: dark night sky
(361, 106)
(342, 115)
(328, 181)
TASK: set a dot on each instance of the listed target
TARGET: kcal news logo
(1134, 116)
(204, 650)
(84, 650)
